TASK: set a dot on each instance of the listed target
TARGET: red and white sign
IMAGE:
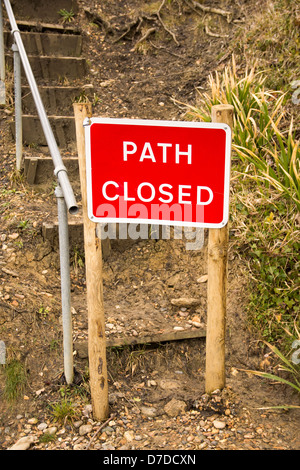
(158, 172)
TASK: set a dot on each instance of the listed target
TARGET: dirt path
(147, 79)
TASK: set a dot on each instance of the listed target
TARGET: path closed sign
(158, 172)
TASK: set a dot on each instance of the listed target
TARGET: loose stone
(32, 421)
(24, 443)
(175, 407)
(185, 302)
(219, 424)
(129, 435)
(77, 424)
(85, 429)
(149, 411)
(42, 426)
(51, 431)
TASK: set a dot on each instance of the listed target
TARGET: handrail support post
(18, 106)
(65, 284)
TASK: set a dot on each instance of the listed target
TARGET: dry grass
(265, 199)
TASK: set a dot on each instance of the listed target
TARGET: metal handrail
(60, 170)
(64, 193)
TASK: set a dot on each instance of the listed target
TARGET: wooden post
(217, 287)
(94, 285)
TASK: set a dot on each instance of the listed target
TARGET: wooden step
(56, 100)
(81, 347)
(50, 233)
(54, 68)
(63, 128)
(48, 44)
(76, 235)
(47, 10)
(40, 27)
(40, 170)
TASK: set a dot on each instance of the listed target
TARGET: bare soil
(147, 80)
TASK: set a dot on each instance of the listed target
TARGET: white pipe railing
(64, 193)
(18, 107)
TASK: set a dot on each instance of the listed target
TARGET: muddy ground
(148, 79)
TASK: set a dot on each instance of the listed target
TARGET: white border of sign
(145, 122)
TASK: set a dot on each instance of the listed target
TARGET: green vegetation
(77, 260)
(265, 200)
(67, 408)
(54, 345)
(23, 224)
(47, 437)
(15, 380)
(43, 312)
(64, 410)
(274, 38)
(270, 152)
(286, 366)
(67, 16)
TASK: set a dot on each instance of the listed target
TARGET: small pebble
(129, 435)
(51, 431)
(42, 426)
(33, 421)
(219, 424)
(85, 429)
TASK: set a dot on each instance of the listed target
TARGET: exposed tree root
(217, 11)
(162, 48)
(147, 34)
(137, 23)
(214, 35)
(155, 21)
(99, 21)
(162, 23)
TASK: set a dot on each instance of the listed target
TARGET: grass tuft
(15, 380)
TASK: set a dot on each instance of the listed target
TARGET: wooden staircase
(54, 52)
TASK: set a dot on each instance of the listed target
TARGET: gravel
(210, 423)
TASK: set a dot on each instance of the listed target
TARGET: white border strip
(144, 122)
